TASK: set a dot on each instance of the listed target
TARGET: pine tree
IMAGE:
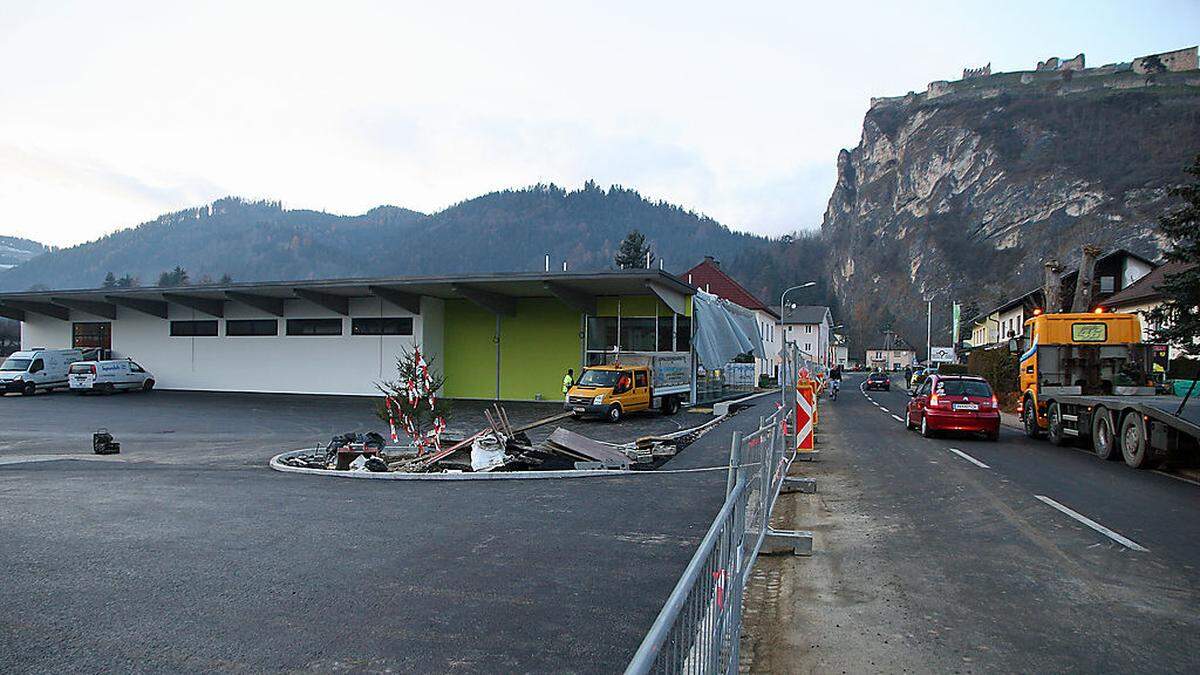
(1177, 320)
(110, 280)
(176, 277)
(226, 279)
(411, 404)
(634, 252)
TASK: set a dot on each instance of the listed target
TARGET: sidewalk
(1011, 420)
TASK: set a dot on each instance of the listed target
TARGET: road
(949, 554)
(186, 553)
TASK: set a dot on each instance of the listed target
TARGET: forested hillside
(503, 231)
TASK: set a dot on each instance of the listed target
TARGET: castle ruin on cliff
(1065, 75)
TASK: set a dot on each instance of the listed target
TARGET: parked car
(107, 377)
(879, 381)
(29, 372)
(954, 403)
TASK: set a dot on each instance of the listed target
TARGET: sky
(114, 112)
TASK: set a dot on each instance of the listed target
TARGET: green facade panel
(536, 348)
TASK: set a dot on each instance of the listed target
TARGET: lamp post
(783, 387)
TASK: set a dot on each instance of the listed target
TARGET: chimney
(1086, 279)
(715, 263)
(1052, 287)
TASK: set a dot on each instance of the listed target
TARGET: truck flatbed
(1161, 408)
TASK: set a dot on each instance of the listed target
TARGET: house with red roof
(709, 277)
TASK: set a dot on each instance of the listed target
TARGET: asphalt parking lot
(187, 553)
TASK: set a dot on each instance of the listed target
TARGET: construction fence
(699, 627)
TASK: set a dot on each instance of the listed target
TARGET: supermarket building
(504, 336)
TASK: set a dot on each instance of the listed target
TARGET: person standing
(568, 380)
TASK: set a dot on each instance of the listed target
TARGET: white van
(109, 376)
(37, 370)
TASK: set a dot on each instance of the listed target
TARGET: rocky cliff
(961, 192)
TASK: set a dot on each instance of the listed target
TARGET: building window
(308, 327)
(637, 335)
(1108, 284)
(251, 327)
(683, 333)
(808, 329)
(601, 333)
(91, 335)
(194, 328)
(666, 333)
(402, 325)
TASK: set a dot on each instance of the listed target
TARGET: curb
(276, 465)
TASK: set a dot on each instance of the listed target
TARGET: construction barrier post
(806, 412)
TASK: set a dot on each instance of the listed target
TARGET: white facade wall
(345, 364)
(810, 338)
(772, 341)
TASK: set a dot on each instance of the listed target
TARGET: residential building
(709, 277)
(1143, 295)
(1115, 271)
(809, 328)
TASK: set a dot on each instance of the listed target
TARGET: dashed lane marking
(969, 458)
(884, 409)
(897, 418)
(1120, 539)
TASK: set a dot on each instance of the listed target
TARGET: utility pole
(929, 329)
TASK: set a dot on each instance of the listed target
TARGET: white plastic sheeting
(723, 331)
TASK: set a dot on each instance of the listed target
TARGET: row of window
(645, 334)
(295, 327)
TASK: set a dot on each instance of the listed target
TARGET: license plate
(579, 408)
(81, 380)
(966, 406)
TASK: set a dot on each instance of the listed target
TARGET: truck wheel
(614, 413)
(1135, 446)
(29, 389)
(1029, 417)
(1104, 441)
(1054, 426)
(670, 405)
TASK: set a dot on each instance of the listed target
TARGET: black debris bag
(103, 443)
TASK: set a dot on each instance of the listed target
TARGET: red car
(954, 403)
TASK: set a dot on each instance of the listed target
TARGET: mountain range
(510, 230)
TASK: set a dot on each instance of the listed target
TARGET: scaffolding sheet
(723, 331)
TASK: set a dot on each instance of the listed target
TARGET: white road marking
(897, 418)
(969, 458)
(1122, 540)
(884, 409)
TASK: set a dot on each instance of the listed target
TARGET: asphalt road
(930, 560)
(186, 553)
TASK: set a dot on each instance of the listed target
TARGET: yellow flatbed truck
(631, 384)
(1088, 377)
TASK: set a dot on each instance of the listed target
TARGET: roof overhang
(497, 291)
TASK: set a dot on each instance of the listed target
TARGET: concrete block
(795, 542)
(793, 484)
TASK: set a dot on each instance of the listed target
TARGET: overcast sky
(114, 112)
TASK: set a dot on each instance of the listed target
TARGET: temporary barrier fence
(698, 629)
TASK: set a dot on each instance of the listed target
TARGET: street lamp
(783, 352)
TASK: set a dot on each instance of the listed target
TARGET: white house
(809, 328)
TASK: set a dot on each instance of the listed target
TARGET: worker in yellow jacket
(568, 380)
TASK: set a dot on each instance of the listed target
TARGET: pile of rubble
(500, 447)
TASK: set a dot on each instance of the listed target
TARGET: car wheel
(1135, 446)
(925, 430)
(148, 385)
(1029, 417)
(106, 389)
(908, 420)
(29, 389)
(614, 413)
(1104, 441)
(1054, 426)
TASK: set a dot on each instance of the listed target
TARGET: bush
(953, 369)
(998, 366)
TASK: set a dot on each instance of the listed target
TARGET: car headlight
(598, 400)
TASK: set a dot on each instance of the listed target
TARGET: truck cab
(1078, 355)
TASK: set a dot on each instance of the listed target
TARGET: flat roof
(577, 288)
(516, 284)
